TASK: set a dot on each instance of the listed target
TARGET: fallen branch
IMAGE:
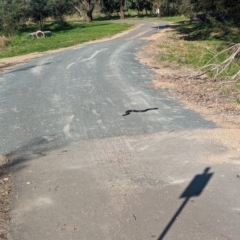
(219, 68)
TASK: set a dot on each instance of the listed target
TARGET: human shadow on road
(194, 189)
(138, 111)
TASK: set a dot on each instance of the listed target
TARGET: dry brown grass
(5, 189)
(3, 42)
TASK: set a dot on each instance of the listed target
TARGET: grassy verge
(174, 19)
(197, 45)
(65, 35)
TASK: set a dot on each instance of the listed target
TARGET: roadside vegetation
(174, 19)
(209, 48)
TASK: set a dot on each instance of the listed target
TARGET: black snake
(133, 110)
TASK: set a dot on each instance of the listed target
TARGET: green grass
(199, 44)
(175, 19)
(66, 35)
(196, 44)
(222, 31)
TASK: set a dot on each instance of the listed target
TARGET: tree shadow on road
(32, 150)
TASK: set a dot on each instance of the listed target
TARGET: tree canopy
(14, 12)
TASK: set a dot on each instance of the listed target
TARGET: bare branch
(220, 67)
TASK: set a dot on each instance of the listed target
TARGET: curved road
(97, 153)
(82, 94)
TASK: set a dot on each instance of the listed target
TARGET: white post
(158, 16)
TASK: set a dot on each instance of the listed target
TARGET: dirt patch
(229, 138)
(5, 188)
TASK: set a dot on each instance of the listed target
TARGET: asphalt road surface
(97, 153)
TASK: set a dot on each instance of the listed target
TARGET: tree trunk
(88, 6)
(41, 22)
(89, 16)
(121, 12)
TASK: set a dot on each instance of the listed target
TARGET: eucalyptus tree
(110, 6)
(233, 7)
(59, 8)
(84, 7)
(11, 15)
(140, 5)
(37, 10)
(121, 8)
(169, 7)
(229, 7)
